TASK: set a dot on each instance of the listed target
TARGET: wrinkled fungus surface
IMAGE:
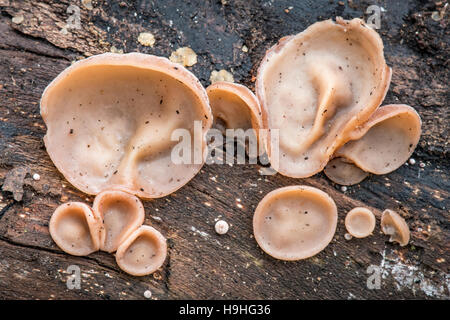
(360, 222)
(121, 214)
(295, 222)
(395, 226)
(75, 228)
(143, 252)
(110, 118)
(316, 87)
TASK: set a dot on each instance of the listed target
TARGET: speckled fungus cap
(75, 229)
(395, 226)
(234, 105)
(295, 222)
(385, 141)
(143, 252)
(110, 118)
(360, 222)
(316, 87)
(121, 214)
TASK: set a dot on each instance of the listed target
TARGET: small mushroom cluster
(113, 224)
(297, 222)
(360, 223)
(110, 120)
(322, 89)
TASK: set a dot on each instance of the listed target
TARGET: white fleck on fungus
(360, 222)
(295, 222)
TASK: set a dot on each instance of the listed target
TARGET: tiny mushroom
(234, 105)
(110, 119)
(295, 222)
(75, 228)
(316, 87)
(121, 214)
(360, 222)
(143, 252)
(394, 225)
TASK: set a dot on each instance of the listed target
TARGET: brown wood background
(210, 266)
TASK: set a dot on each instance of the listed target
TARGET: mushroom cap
(360, 222)
(295, 222)
(343, 172)
(234, 104)
(75, 228)
(143, 252)
(121, 213)
(394, 225)
(316, 87)
(110, 118)
(385, 141)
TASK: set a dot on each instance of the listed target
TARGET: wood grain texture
(200, 263)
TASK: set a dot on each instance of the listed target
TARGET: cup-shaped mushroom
(143, 252)
(295, 222)
(112, 118)
(343, 172)
(360, 222)
(233, 106)
(75, 229)
(395, 226)
(315, 88)
(385, 141)
(121, 214)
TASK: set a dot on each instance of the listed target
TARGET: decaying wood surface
(200, 263)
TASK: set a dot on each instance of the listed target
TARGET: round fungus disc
(360, 222)
(295, 222)
(110, 120)
(385, 141)
(121, 214)
(315, 88)
(75, 229)
(143, 252)
(394, 225)
(343, 172)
